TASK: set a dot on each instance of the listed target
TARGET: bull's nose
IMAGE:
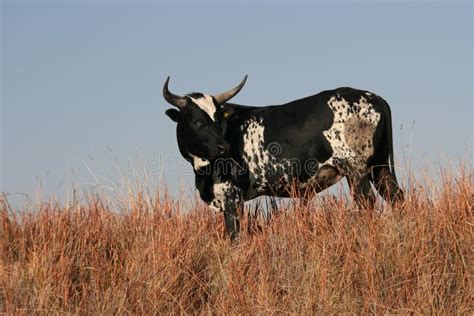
(222, 149)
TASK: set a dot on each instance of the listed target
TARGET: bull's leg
(365, 190)
(386, 184)
(305, 198)
(227, 200)
(270, 209)
(252, 215)
(362, 192)
(274, 205)
(325, 177)
(232, 222)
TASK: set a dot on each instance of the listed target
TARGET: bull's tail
(390, 142)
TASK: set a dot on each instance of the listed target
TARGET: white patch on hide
(261, 160)
(346, 158)
(198, 162)
(255, 155)
(221, 192)
(206, 104)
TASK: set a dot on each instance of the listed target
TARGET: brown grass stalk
(330, 257)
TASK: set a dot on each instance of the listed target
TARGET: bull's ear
(226, 112)
(173, 114)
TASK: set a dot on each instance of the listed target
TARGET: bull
(240, 152)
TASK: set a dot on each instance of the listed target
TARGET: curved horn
(226, 96)
(171, 98)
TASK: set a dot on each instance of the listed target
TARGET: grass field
(331, 257)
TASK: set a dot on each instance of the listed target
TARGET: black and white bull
(242, 152)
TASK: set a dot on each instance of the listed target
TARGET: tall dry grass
(328, 258)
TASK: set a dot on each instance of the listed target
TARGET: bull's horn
(171, 98)
(226, 96)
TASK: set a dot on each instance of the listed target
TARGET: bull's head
(199, 132)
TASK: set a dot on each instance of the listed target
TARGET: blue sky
(81, 81)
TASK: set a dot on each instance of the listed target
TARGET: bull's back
(334, 126)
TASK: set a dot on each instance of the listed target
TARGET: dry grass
(330, 258)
